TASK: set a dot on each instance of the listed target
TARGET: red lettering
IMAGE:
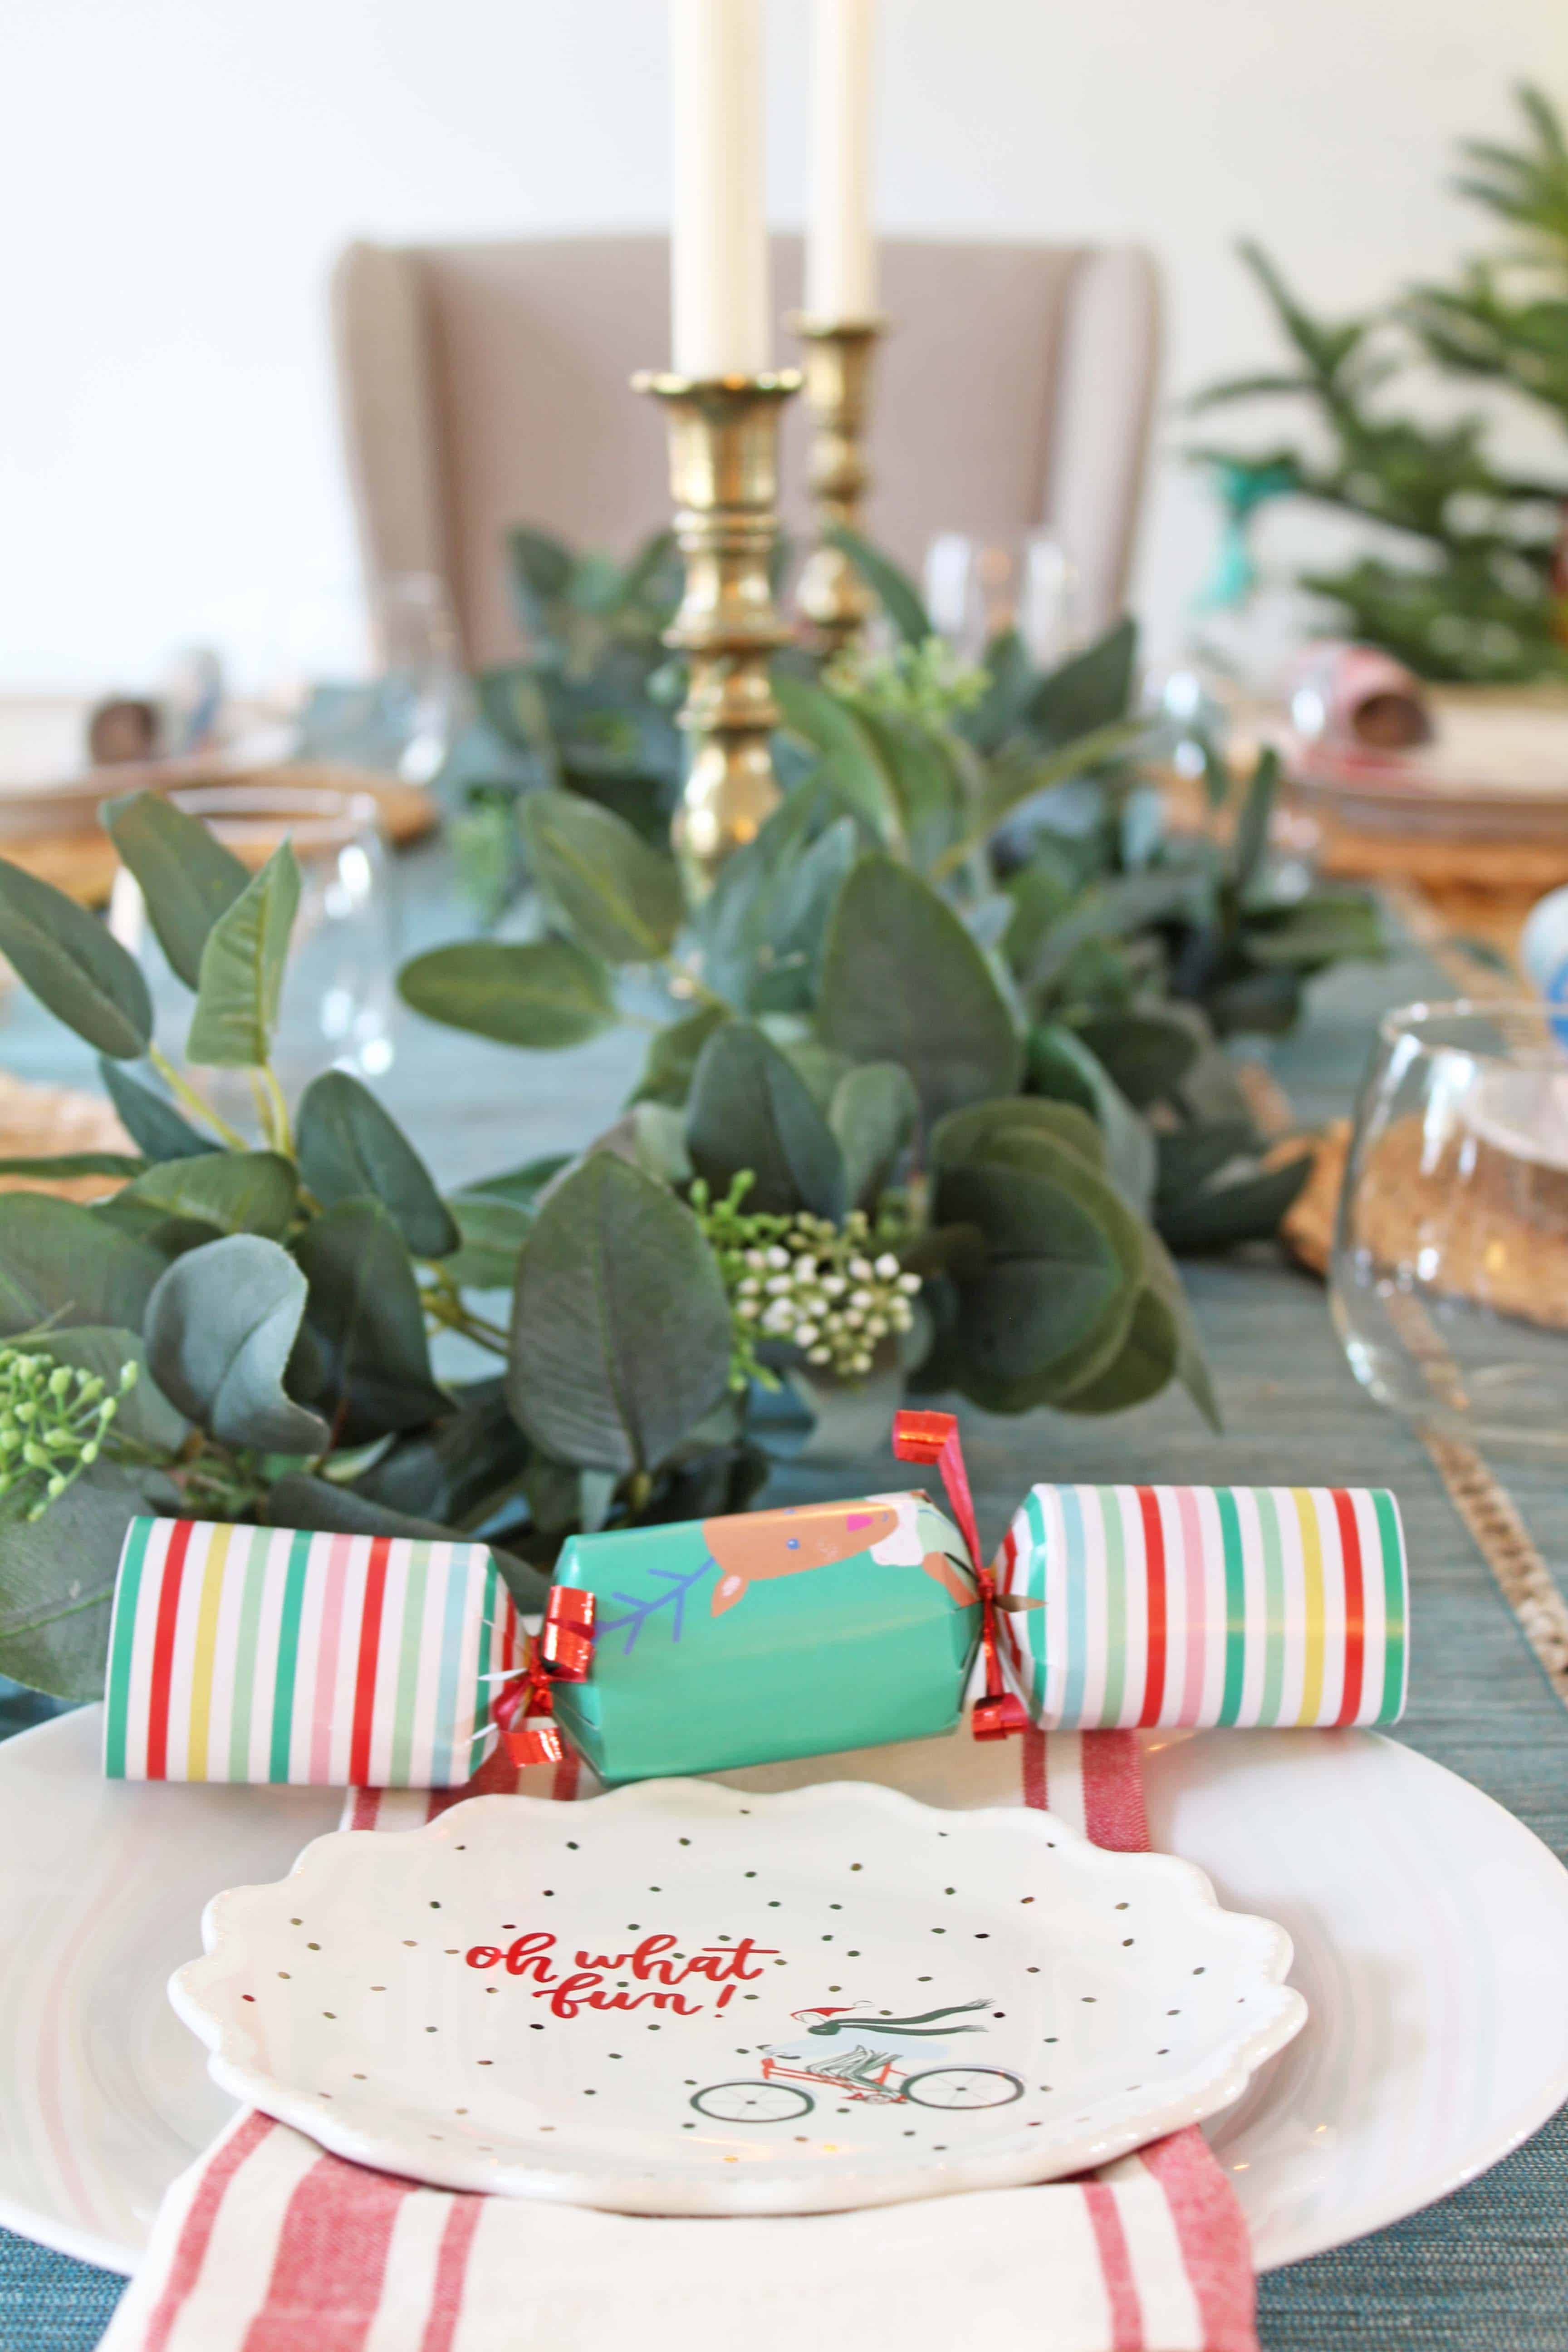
(569, 1993)
(483, 1956)
(727, 1996)
(529, 1952)
(644, 1962)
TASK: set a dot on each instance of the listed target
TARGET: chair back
(483, 385)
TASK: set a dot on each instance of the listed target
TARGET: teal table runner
(1486, 2268)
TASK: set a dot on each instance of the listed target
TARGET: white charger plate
(831, 1998)
(1430, 1932)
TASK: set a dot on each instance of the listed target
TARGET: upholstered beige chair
(487, 385)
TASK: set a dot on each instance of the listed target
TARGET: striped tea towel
(269, 2246)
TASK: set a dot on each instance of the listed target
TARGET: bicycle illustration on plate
(889, 2062)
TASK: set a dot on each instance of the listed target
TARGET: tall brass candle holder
(839, 355)
(723, 477)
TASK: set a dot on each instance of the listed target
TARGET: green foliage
(545, 994)
(1475, 601)
(620, 1324)
(72, 965)
(188, 878)
(220, 1327)
(239, 977)
(751, 1110)
(903, 980)
(350, 1149)
(600, 881)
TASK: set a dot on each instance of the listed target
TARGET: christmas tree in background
(1476, 592)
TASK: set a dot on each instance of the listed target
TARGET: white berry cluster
(817, 1288)
(832, 1291)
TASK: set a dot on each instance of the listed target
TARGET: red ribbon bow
(933, 1437)
(563, 1653)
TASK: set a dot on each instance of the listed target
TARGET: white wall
(175, 176)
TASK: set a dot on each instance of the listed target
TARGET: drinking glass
(405, 717)
(976, 590)
(1450, 1275)
(336, 1006)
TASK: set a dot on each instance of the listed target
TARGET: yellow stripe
(1312, 1579)
(207, 1652)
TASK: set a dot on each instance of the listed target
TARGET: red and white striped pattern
(267, 2245)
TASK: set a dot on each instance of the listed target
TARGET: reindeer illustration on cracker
(753, 1549)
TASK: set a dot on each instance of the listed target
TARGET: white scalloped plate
(688, 1999)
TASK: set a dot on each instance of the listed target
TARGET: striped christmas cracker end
(1249, 1606)
(272, 1654)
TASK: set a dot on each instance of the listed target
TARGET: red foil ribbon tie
(562, 1653)
(933, 1437)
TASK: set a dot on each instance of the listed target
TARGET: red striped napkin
(267, 2245)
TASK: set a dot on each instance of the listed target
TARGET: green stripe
(1115, 1605)
(1273, 1608)
(288, 1653)
(408, 1664)
(443, 1766)
(1034, 1619)
(1234, 1608)
(247, 1665)
(1392, 1551)
(121, 1645)
(484, 1695)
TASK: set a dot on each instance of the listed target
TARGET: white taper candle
(840, 254)
(718, 255)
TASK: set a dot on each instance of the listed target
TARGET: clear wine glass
(1450, 1275)
(976, 589)
(336, 1008)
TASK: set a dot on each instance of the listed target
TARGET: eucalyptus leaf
(620, 1327)
(62, 1264)
(969, 1134)
(1161, 1345)
(1147, 1052)
(73, 965)
(749, 1109)
(1112, 911)
(459, 1470)
(1250, 842)
(1089, 690)
(544, 994)
(673, 1055)
(893, 590)
(491, 1232)
(220, 1327)
(232, 1191)
(72, 1163)
(366, 1317)
(874, 1114)
(797, 910)
(1246, 1208)
(188, 878)
(149, 1119)
(1062, 1069)
(619, 897)
(853, 759)
(240, 976)
(1049, 1297)
(351, 1148)
(903, 981)
(57, 1584)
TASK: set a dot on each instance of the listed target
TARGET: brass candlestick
(839, 361)
(723, 477)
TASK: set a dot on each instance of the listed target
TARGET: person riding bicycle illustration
(863, 2054)
(873, 2040)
